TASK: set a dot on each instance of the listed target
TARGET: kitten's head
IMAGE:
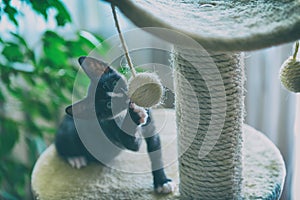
(107, 94)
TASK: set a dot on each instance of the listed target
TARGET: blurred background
(40, 42)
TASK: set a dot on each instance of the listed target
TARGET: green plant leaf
(43, 110)
(15, 174)
(10, 11)
(63, 15)
(100, 38)
(5, 79)
(12, 52)
(40, 7)
(75, 49)
(139, 70)
(16, 92)
(9, 135)
(30, 79)
(5, 74)
(91, 38)
(51, 36)
(2, 98)
(123, 70)
(41, 83)
(87, 42)
(89, 45)
(30, 55)
(33, 128)
(54, 49)
(20, 39)
(21, 42)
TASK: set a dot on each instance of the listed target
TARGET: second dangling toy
(290, 72)
(144, 89)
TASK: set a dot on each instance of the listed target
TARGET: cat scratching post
(222, 28)
(218, 174)
(239, 166)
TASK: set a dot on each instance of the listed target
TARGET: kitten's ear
(82, 109)
(92, 67)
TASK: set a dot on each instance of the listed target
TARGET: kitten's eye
(108, 105)
(114, 83)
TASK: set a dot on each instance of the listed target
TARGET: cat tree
(222, 159)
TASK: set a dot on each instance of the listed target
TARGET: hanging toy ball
(145, 89)
(290, 72)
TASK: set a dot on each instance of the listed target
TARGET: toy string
(123, 41)
(296, 50)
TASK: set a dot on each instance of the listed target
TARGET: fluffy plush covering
(53, 178)
(223, 25)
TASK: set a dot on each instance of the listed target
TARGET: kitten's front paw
(138, 114)
(166, 188)
(77, 162)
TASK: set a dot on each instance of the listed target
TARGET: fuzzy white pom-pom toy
(145, 89)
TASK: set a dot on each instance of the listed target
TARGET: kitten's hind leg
(69, 146)
(77, 162)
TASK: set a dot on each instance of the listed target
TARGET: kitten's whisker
(113, 94)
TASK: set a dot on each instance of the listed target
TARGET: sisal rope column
(218, 174)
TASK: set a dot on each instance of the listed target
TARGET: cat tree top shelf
(52, 178)
(233, 25)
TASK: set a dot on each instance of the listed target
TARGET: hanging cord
(296, 50)
(123, 41)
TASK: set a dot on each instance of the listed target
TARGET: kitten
(106, 99)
